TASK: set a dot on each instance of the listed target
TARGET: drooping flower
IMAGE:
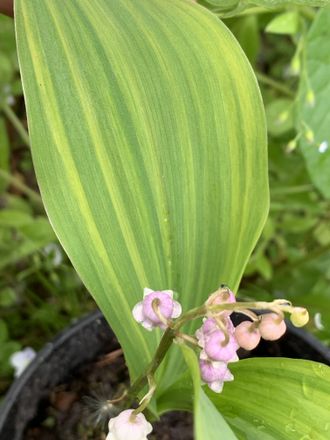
(272, 326)
(214, 374)
(127, 426)
(21, 359)
(218, 347)
(247, 335)
(210, 325)
(144, 311)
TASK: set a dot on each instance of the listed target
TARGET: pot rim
(12, 394)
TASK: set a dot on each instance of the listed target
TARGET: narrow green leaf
(149, 143)
(277, 399)
(208, 421)
(286, 23)
(313, 104)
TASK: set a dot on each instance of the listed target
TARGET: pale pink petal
(168, 292)
(138, 312)
(203, 355)
(235, 358)
(177, 309)
(200, 337)
(148, 325)
(147, 291)
(228, 377)
(216, 386)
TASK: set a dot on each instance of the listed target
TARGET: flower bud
(309, 135)
(222, 296)
(247, 335)
(272, 326)
(310, 98)
(127, 426)
(299, 317)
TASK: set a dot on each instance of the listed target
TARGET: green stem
(162, 349)
(292, 190)
(274, 84)
(12, 180)
(16, 123)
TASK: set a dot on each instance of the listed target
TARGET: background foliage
(39, 290)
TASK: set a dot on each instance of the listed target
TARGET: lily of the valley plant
(217, 342)
(149, 142)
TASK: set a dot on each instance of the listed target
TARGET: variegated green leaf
(269, 399)
(148, 139)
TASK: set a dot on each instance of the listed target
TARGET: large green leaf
(277, 399)
(208, 421)
(269, 399)
(148, 139)
(314, 113)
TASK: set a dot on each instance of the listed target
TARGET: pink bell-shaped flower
(214, 374)
(210, 325)
(144, 313)
(127, 426)
(217, 349)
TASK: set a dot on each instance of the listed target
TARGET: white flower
(21, 359)
(318, 321)
(55, 252)
(129, 427)
(323, 146)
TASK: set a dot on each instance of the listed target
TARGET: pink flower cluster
(217, 339)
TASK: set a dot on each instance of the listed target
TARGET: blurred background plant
(40, 293)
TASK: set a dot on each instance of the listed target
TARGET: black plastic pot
(91, 337)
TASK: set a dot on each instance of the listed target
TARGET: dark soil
(73, 408)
